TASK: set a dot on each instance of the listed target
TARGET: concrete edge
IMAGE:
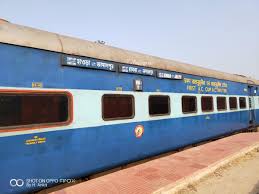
(197, 176)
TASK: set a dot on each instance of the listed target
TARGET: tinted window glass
(233, 103)
(189, 104)
(117, 106)
(242, 102)
(159, 105)
(31, 109)
(222, 103)
(207, 103)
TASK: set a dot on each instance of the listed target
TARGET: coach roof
(29, 37)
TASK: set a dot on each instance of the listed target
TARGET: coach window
(33, 109)
(242, 102)
(159, 105)
(207, 104)
(233, 103)
(189, 104)
(221, 103)
(117, 107)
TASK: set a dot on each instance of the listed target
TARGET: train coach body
(81, 114)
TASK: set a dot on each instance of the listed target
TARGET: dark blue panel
(79, 152)
(21, 66)
(257, 117)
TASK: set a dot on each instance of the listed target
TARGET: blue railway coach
(70, 108)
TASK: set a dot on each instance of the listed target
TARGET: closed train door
(252, 115)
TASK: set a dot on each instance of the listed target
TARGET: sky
(221, 35)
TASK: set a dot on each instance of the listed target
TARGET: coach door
(252, 93)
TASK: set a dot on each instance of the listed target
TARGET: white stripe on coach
(88, 108)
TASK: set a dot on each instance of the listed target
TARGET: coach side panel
(91, 144)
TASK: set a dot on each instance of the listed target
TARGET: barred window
(242, 102)
(23, 109)
(207, 104)
(159, 105)
(233, 103)
(221, 103)
(189, 104)
(117, 106)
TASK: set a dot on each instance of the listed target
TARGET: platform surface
(157, 174)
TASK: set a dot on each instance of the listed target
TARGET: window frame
(119, 118)
(207, 111)
(169, 105)
(226, 103)
(196, 104)
(230, 103)
(40, 125)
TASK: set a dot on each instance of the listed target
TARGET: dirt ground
(239, 177)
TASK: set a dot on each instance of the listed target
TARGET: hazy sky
(220, 34)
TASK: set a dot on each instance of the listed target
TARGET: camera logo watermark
(30, 183)
(16, 182)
